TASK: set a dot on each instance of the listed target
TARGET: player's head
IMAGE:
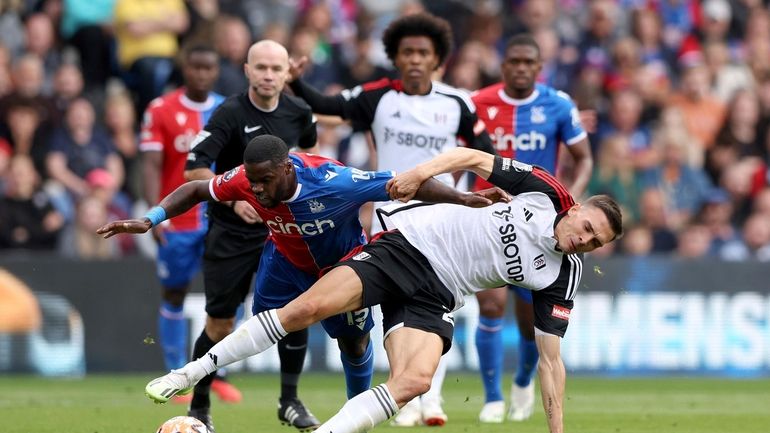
(200, 68)
(590, 225)
(418, 44)
(269, 170)
(267, 69)
(521, 64)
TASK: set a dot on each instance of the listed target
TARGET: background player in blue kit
(526, 121)
(170, 124)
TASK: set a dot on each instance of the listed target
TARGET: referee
(236, 235)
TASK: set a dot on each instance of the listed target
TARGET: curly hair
(423, 24)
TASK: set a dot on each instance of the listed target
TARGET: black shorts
(230, 259)
(400, 279)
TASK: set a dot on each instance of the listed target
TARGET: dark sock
(291, 350)
(201, 398)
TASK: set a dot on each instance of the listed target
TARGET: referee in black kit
(236, 235)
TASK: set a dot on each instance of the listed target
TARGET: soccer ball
(183, 424)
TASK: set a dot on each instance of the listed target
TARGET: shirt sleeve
(309, 135)
(152, 135)
(517, 177)
(230, 185)
(472, 131)
(207, 145)
(363, 186)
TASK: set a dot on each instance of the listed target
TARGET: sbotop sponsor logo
(409, 139)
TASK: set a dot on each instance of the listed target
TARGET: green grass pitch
(116, 404)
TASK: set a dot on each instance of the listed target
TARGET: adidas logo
(213, 358)
(527, 214)
(397, 115)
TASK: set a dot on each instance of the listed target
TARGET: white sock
(254, 336)
(434, 393)
(362, 412)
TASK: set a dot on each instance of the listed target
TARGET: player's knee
(174, 297)
(301, 314)
(218, 329)
(413, 383)
(491, 308)
(354, 347)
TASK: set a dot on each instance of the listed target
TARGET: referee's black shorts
(230, 259)
(395, 275)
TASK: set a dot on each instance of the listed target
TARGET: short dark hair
(199, 48)
(265, 148)
(611, 210)
(523, 39)
(422, 24)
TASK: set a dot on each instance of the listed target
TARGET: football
(183, 424)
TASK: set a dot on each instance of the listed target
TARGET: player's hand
(405, 185)
(495, 194)
(124, 226)
(297, 67)
(159, 234)
(247, 213)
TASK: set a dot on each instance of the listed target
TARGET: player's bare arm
(176, 203)
(584, 164)
(404, 186)
(550, 370)
(241, 208)
(151, 170)
(434, 191)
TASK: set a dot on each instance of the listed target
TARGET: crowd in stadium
(680, 91)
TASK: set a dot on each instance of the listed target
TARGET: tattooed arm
(550, 368)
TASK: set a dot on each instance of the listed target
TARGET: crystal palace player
(526, 121)
(169, 126)
(442, 252)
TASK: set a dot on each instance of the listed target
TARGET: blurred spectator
(647, 28)
(203, 15)
(694, 241)
(85, 25)
(40, 40)
(78, 148)
(146, 33)
(11, 27)
(322, 67)
(654, 214)
(27, 76)
(728, 77)
(361, 68)
(68, 85)
(637, 241)
(754, 243)
(624, 117)
(739, 180)
(684, 187)
(232, 41)
(739, 136)
(703, 113)
(23, 121)
(120, 121)
(599, 36)
(614, 175)
(716, 215)
(761, 203)
(91, 214)
(27, 217)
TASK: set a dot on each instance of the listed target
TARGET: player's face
(583, 229)
(416, 59)
(521, 67)
(201, 71)
(267, 71)
(271, 183)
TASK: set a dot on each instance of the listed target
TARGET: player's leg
(338, 291)
(431, 402)
(490, 349)
(276, 284)
(351, 330)
(523, 388)
(416, 336)
(178, 261)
